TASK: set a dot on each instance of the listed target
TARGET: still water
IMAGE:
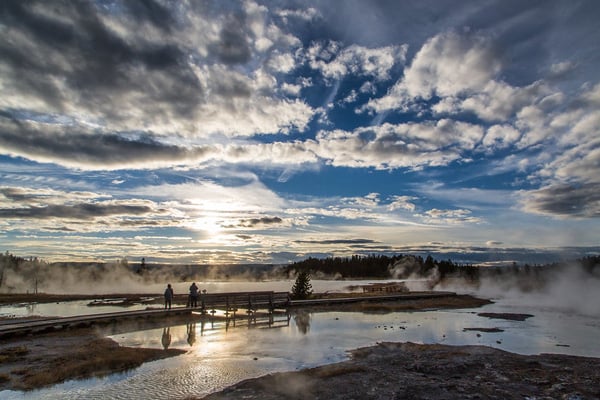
(220, 354)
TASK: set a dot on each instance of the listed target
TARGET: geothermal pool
(220, 354)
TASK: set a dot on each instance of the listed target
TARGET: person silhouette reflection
(302, 319)
(191, 332)
(166, 338)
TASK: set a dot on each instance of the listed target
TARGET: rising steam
(567, 288)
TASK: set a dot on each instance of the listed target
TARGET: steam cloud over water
(119, 277)
(108, 278)
(568, 288)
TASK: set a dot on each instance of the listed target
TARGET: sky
(270, 131)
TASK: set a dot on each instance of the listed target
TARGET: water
(219, 355)
(61, 309)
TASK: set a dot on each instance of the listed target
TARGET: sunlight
(211, 225)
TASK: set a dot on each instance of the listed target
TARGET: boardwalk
(228, 303)
(209, 304)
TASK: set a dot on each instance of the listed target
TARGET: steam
(117, 277)
(30, 277)
(568, 288)
(409, 268)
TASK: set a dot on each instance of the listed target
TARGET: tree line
(404, 266)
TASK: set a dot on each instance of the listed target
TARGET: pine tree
(302, 288)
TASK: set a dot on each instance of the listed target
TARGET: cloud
(388, 146)
(498, 101)
(337, 241)
(233, 45)
(83, 147)
(448, 64)
(367, 209)
(125, 69)
(335, 62)
(570, 177)
(449, 217)
(499, 137)
(76, 211)
(459, 73)
(68, 57)
(30, 209)
(405, 145)
(304, 14)
(86, 148)
(402, 202)
(262, 221)
(29, 196)
(564, 200)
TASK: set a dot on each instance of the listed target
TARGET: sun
(211, 225)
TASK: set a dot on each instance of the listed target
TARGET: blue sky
(268, 131)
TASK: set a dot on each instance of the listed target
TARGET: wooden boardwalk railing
(227, 302)
(249, 301)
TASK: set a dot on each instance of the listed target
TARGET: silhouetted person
(168, 296)
(166, 338)
(194, 295)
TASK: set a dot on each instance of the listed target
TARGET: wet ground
(419, 371)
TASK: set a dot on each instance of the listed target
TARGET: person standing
(194, 295)
(168, 296)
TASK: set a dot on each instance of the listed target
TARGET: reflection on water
(191, 333)
(166, 338)
(302, 319)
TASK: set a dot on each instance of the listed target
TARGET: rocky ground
(414, 371)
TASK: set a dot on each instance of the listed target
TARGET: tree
(302, 288)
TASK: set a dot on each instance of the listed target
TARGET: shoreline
(429, 371)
